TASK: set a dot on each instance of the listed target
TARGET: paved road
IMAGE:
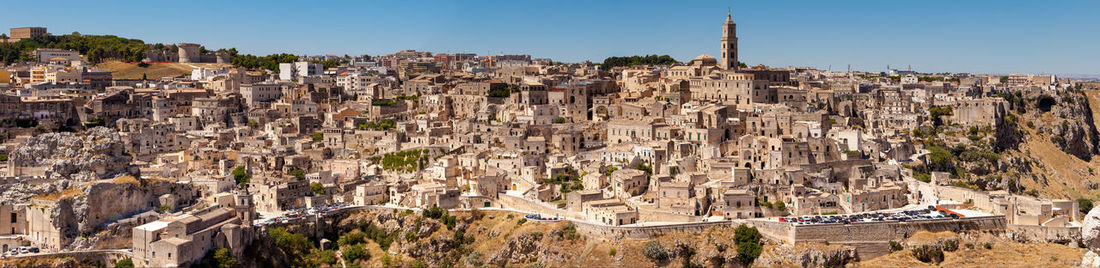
(41, 254)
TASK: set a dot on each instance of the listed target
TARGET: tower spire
(729, 14)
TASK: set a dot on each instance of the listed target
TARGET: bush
(318, 136)
(380, 236)
(894, 246)
(382, 102)
(499, 93)
(987, 245)
(435, 212)
(780, 205)
(351, 238)
(653, 250)
(328, 256)
(568, 231)
(241, 176)
(125, 263)
(290, 242)
(355, 253)
(298, 174)
(221, 258)
(1085, 205)
(611, 252)
(950, 245)
(928, 254)
(317, 188)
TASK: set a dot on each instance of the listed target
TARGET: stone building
(183, 240)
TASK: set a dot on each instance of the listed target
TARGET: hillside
(125, 70)
(974, 250)
(1057, 173)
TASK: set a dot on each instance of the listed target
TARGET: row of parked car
(20, 250)
(930, 213)
(302, 213)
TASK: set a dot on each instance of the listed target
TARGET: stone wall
(1045, 234)
(657, 215)
(519, 203)
(644, 232)
(885, 231)
(779, 231)
(871, 239)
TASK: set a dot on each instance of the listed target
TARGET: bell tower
(729, 43)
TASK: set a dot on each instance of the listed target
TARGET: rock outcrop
(807, 256)
(96, 154)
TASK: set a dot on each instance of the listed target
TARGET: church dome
(704, 60)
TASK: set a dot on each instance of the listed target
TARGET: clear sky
(931, 36)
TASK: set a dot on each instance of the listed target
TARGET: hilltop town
(120, 155)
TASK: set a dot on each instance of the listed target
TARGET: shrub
(1085, 205)
(987, 245)
(653, 250)
(317, 188)
(241, 176)
(125, 263)
(568, 231)
(354, 253)
(220, 258)
(611, 252)
(950, 245)
(895, 246)
(351, 238)
(928, 254)
(328, 257)
(435, 212)
(298, 174)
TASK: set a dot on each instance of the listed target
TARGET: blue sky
(931, 36)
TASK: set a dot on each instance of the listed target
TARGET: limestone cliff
(98, 153)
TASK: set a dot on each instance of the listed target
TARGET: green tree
(612, 62)
(328, 256)
(355, 253)
(941, 159)
(223, 259)
(1085, 205)
(240, 175)
(298, 174)
(317, 188)
(748, 244)
(125, 263)
(318, 136)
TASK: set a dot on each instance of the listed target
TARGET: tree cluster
(612, 62)
(96, 48)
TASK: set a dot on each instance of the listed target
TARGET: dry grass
(1067, 176)
(1004, 253)
(126, 179)
(123, 70)
(58, 195)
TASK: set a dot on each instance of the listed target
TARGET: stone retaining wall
(871, 239)
(1044, 234)
(644, 232)
(885, 231)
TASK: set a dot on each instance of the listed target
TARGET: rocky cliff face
(97, 154)
(807, 255)
(104, 202)
(1072, 130)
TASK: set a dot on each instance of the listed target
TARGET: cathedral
(724, 82)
